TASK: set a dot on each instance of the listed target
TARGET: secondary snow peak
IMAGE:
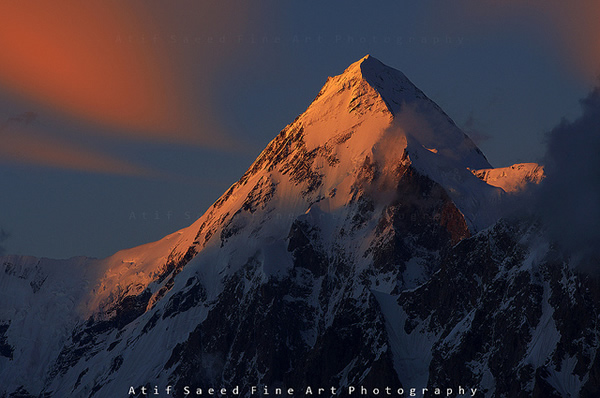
(514, 178)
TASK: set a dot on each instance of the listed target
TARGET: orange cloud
(115, 63)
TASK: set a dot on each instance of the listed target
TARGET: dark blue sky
(506, 74)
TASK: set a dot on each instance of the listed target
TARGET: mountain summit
(372, 92)
(361, 248)
(372, 113)
(393, 86)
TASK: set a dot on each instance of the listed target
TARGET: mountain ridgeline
(365, 247)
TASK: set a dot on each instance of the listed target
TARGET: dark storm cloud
(569, 197)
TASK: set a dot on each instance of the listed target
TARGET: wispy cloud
(473, 129)
(21, 143)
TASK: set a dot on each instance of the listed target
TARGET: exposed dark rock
(259, 196)
(185, 300)
(151, 322)
(6, 350)
(78, 382)
(303, 244)
(88, 339)
(21, 393)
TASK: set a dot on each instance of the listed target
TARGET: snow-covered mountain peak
(345, 103)
(352, 246)
(392, 87)
(391, 84)
(374, 87)
(371, 93)
(374, 113)
(512, 179)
